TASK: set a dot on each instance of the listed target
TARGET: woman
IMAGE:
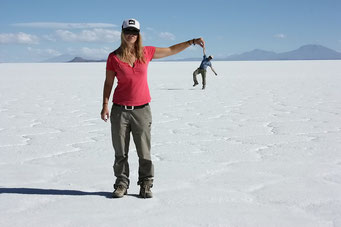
(130, 112)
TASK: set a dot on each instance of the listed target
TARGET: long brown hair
(123, 50)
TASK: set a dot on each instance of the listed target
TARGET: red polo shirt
(132, 85)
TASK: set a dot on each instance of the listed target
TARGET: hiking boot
(195, 84)
(145, 187)
(120, 191)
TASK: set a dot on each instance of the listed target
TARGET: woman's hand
(105, 113)
(199, 41)
(109, 81)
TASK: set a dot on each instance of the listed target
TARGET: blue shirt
(205, 62)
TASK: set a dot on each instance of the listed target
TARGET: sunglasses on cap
(129, 31)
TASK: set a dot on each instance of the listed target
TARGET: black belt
(131, 107)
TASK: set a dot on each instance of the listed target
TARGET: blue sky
(35, 30)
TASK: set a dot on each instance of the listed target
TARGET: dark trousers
(138, 123)
(203, 74)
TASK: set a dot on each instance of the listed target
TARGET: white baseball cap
(131, 24)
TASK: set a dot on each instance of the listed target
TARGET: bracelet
(189, 42)
(104, 103)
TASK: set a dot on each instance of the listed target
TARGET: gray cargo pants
(203, 74)
(138, 123)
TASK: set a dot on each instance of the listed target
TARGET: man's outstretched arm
(214, 71)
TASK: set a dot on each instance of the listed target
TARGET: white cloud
(152, 34)
(167, 36)
(50, 38)
(280, 36)
(54, 25)
(90, 53)
(95, 53)
(18, 38)
(94, 35)
(67, 35)
(44, 52)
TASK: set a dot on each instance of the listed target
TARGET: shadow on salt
(40, 191)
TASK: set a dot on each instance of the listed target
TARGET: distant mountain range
(79, 59)
(67, 57)
(60, 58)
(307, 52)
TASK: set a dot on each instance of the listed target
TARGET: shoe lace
(121, 187)
(146, 189)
